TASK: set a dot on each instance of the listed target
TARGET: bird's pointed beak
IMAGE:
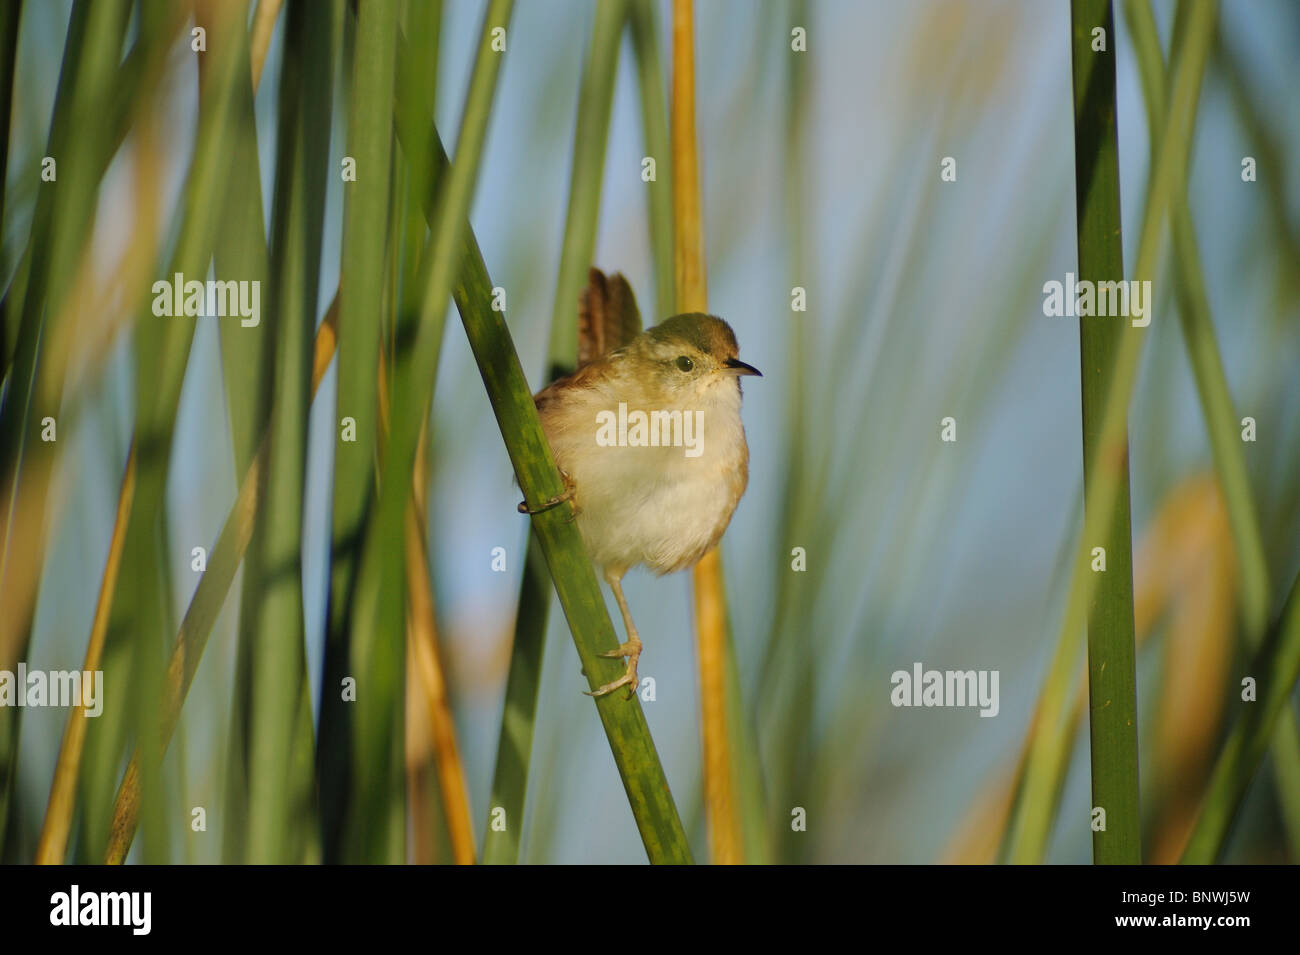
(734, 366)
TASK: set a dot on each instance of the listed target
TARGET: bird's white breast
(652, 505)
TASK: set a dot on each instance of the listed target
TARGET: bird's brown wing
(607, 316)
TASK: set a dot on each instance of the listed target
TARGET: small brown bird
(648, 436)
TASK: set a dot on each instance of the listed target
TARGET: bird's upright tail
(608, 317)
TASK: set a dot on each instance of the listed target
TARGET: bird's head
(687, 356)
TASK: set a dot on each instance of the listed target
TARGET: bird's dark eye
(685, 363)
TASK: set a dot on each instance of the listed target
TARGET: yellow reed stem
(709, 599)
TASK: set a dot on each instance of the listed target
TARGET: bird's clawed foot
(566, 495)
(629, 679)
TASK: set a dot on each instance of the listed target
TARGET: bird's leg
(631, 649)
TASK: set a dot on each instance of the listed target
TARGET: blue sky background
(924, 301)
